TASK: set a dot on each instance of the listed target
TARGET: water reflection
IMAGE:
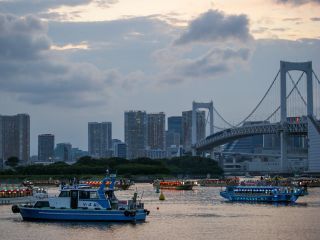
(199, 214)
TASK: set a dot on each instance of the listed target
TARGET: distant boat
(83, 203)
(218, 182)
(174, 185)
(262, 193)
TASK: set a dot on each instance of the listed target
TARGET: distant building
(175, 124)
(186, 138)
(63, 152)
(46, 148)
(120, 150)
(15, 137)
(99, 139)
(78, 153)
(156, 154)
(135, 134)
(156, 131)
(172, 139)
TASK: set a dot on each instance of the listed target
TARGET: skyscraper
(63, 152)
(174, 133)
(45, 147)
(175, 124)
(99, 139)
(156, 130)
(186, 138)
(15, 137)
(135, 134)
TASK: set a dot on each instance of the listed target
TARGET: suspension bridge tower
(285, 67)
(195, 107)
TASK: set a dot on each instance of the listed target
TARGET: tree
(12, 161)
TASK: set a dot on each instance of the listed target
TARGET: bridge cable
(316, 76)
(256, 107)
(295, 85)
(304, 101)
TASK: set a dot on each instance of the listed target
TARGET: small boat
(122, 184)
(262, 193)
(174, 185)
(218, 182)
(84, 203)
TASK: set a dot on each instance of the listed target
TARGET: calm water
(198, 214)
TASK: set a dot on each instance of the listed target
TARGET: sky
(70, 62)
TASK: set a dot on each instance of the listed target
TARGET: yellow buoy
(161, 197)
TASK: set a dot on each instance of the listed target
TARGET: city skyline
(90, 61)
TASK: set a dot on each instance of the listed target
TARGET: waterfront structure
(303, 124)
(136, 133)
(156, 130)
(155, 153)
(175, 124)
(172, 139)
(99, 139)
(63, 152)
(186, 137)
(15, 137)
(120, 150)
(45, 148)
(78, 153)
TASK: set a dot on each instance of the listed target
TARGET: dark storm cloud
(216, 26)
(297, 2)
(32, 72)
(22, 7)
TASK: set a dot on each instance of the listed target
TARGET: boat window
(84, 195)
(64, 194)
(93, 195)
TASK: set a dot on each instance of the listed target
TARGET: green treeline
(141, 166)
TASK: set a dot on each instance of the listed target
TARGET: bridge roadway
(231, 134)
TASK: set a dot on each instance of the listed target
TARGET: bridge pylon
(195, 107)
(284, 68)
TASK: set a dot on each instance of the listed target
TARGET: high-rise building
(99, 139)
(120, 150)
(156, 130)
(78, 153)
(15, 137)
(45, 147)
(175, 124)
(172, 139)
(63, 152)
(135, 134)
(186, 138)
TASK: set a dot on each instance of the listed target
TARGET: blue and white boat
(83, 203)
(272, 194)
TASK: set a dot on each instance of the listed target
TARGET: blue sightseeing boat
(83, 203)
(262, 193)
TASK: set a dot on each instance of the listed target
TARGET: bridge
(296, 113)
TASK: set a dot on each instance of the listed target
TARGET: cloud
(178, 68)
(216, 26)
(23, 7)
(297, 2)
(292, 19)
(33, 73)
(315, 19)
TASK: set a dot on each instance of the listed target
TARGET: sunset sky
(68, 62)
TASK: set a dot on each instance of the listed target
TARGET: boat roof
(256, 187)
